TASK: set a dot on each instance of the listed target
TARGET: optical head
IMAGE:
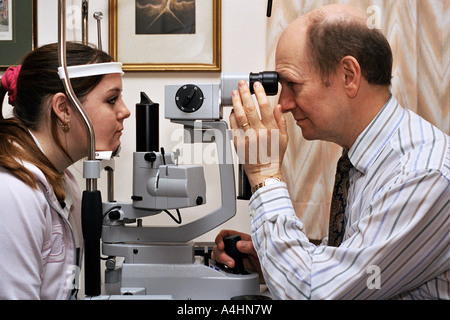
(229, 83)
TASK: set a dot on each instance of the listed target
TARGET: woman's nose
(124, 112)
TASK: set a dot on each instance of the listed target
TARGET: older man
(389, 224)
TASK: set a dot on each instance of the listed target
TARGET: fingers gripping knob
(231, 250)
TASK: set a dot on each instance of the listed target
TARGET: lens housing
(268, 79)
(230, 82)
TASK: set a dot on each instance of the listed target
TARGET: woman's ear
(351, 75)
(61, 107)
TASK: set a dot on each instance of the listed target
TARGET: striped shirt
(397, 221)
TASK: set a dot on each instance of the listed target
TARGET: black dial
(189, 98)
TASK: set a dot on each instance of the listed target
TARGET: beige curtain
(418, 31)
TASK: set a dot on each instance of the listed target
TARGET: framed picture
(166, 35)
(18, 30)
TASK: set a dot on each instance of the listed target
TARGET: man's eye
(295, 86)
(290, 84)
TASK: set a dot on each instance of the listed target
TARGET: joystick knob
(233, 252)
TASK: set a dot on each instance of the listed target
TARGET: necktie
(339, 201)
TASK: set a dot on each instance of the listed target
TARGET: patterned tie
(339, 201)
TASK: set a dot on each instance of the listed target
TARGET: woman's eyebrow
(115, 89)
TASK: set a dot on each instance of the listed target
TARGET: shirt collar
(376, 136)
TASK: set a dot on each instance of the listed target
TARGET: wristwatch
(266, 182)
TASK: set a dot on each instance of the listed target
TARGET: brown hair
(37, 81)
(330, 41)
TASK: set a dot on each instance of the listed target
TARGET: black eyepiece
(269, 80)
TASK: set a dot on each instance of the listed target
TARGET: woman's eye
(112, 100)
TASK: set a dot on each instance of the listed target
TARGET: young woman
(40, 229)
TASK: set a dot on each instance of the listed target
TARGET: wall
(243, 50)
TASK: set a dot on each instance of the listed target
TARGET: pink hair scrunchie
(9, 83)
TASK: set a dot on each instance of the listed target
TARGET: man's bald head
(334, 31)
(337, 12)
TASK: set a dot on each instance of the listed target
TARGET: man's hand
(245, 246)
(260, 142)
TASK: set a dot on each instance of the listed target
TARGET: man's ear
(351, 75)
(61, 107)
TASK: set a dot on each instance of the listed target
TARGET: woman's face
(107, 111)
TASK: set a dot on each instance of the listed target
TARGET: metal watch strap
(263, 184)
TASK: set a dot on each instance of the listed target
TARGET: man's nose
(287, 100)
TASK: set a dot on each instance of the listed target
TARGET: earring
(64, 126)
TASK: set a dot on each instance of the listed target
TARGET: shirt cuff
(268, 203)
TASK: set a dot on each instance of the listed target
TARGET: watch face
(270, 181)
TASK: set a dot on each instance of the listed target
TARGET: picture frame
(176, 35)
(18, 36)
